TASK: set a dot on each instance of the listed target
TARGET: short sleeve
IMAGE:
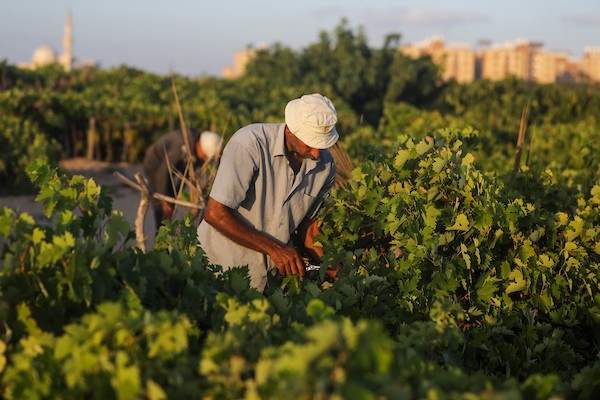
(235, 174)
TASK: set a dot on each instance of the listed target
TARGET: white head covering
(312, 119)
(210, 142)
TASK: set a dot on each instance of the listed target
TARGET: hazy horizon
(192, 39)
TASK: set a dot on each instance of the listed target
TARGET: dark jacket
(172, 147)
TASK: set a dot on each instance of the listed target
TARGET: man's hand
(287, 260)
(307, 231)
(332, 272)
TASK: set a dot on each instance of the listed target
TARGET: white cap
(312, 119)
(210, 142)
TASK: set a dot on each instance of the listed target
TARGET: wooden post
(91, 139)
(521, 139)
(141, 213)
(144, 201)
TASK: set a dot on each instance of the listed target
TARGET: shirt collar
(280, 142)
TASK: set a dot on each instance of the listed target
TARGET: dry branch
(521, 139)
(141, 213)
(343, 164)
(195, 191)
(158, 196)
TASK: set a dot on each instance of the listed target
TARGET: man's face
(298, 147)
(199, 152)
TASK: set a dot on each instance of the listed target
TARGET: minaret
(66, 59)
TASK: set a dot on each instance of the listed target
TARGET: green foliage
(451, 284)
(22, 142)
(83, 257)
(449, 244)
(120, 351)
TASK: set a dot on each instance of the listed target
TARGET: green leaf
(126, 379)
(465, 255)
(2, 355)
(38, 235)
(545, 261)
(424, 146)
(518, 283)
(468, 160)
(536, 235)
(439, 164)
(487, 287)
(116, 228)
(526, 251)
(39, 172)
(6, 221)
(431, 215)
(569, 247)
(561, 218)
(154, 391)
(318, 311)
(401, 157)
(460, 224)
(574, 230)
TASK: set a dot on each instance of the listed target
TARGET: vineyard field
(453, 285)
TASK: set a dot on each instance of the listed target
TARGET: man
(171, 147)
(271, 180)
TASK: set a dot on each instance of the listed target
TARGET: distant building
(66, 59)
(457, 61)
(522, 59)
(590, 64)
(509, 59)
(241, 58)
(460, 63)
(554, 67)
(42, 56)
(46, 55)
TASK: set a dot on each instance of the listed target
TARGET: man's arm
(221, 217)
(308, 229)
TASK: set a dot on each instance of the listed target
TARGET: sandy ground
(125, 199)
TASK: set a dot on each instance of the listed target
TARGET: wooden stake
(521, 139)
(195, 192)
(141, 213)
(159, 196)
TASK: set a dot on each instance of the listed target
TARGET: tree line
(114, 114)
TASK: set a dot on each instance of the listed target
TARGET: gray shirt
(256, 181)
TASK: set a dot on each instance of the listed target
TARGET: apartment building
(241, 58)
(458, 61)
(522, 59)
(590, 64)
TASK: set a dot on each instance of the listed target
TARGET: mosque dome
(44, 55)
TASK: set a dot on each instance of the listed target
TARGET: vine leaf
(461, 224)
(518, 283)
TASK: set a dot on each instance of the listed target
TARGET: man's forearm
(223, 220)
(286, 258)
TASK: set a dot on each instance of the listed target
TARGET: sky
(199, 38)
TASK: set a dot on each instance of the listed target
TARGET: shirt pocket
(301, 205)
